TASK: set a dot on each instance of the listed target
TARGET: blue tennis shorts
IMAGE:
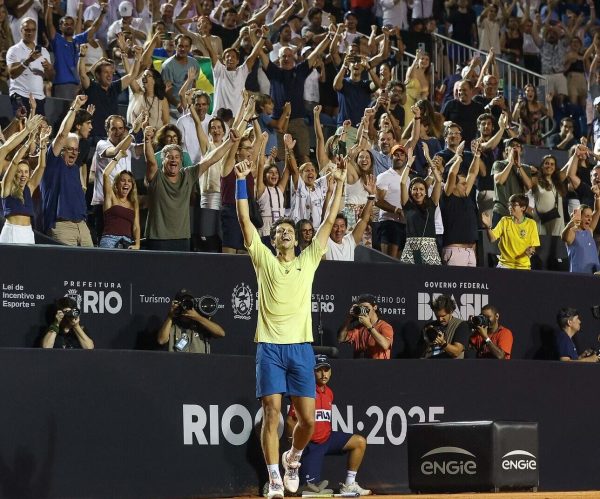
(312, 457)
(285, 369)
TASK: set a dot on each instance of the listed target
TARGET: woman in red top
(121, 209)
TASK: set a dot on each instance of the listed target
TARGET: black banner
(124, 297)
(152, 424)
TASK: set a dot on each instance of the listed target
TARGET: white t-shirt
(99, 164)
(189, 138)
(311, 87)
(308, 203)
(389, 181)
(229, 86)
(31, 80)
(343, 252)
(117, 27)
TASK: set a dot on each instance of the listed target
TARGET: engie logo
(442, 464)
(241, 301)
(467, 304)
(519, 460)
(96, 302)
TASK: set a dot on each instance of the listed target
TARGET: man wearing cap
(325, 441)
(569, 323)
(128, 23)
(185, 329)
(392, 225)
(372, 337)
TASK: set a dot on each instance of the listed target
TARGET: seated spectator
(447, 336)
(66, 331)
(578, 235)
(324, 441)
(564, 139)
(491, 341)
(18, 185)
(569, 324)
(517, 234)
(121, 207)
(370, 336)
(186, 328)
(65, 46)
(459, 215)
(169, 191)
(341, 244)
(28, 66)
(149, 97)
(63, 200)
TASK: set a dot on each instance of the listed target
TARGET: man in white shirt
(106, 150)
(229, 78)
(392, 227)
(28, 65)
(201, 101)
(341, 246)
(128, 23)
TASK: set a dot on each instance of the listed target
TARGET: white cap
(597, 101)
(126, 9)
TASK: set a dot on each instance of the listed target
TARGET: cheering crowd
(434, 165)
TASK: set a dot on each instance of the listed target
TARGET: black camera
(358, 310)
(72, 313)
(481, 320)
(431, 331)
(186, 303)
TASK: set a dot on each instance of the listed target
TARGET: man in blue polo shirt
(287, 85)
(63, 199)
(570, 324)
(66, 51)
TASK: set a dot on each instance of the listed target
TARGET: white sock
(294, 454)
(350, 477)
(273, 472)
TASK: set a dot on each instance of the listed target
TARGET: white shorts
(16, 234)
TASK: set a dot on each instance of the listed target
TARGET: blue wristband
(240, 189)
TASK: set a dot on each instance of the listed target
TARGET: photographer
(446, 337)
(570, 324)
(489, 338)
(66, 331)
(187, 327)
(370, 337)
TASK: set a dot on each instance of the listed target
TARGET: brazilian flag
(205, 75)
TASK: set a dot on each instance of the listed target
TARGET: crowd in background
(434, 163)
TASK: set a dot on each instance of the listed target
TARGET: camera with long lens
(480, 320)
(72, 313)
(430, 332)
(358, 310)
(206, 306)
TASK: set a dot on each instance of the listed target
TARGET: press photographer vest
(197, 341)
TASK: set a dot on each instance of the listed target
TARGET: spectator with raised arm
(150, 97)
(18, 185)
(65, 46)
(175, 68)
(103, 92)
(529, 113)
(169, 190)
(63, 198)
(121, 207)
